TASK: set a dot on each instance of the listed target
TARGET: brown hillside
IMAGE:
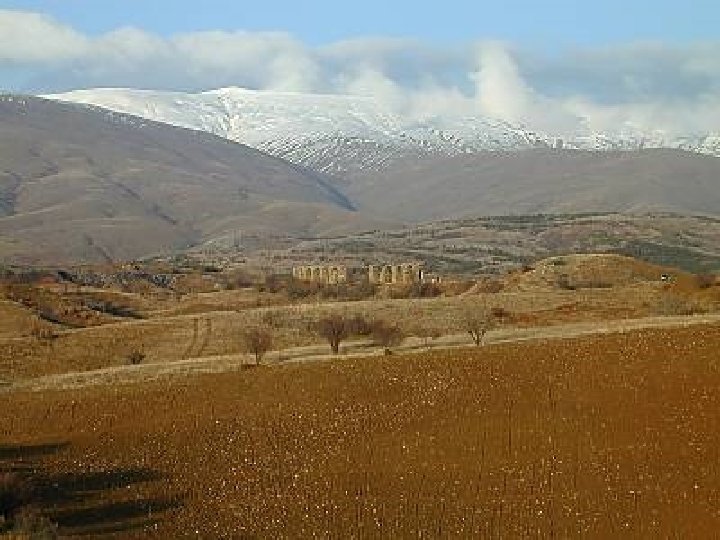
(589, 271)
(542, 181)
(83, 184)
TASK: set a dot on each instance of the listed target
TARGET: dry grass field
(559, 291)
(604, 436)
(167, 337)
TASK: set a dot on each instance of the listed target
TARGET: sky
(535, 22)
(552, 64)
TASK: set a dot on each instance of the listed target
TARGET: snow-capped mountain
(342, 135)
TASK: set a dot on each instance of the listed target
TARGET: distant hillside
(542, 181)
(79, 183)
(494, 245)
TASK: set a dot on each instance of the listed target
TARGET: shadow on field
(17, 457)
(78, 503)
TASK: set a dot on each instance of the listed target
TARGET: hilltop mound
(582, 271)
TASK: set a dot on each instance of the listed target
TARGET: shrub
(385, 334)
(257, 341)
(674, 304)
(417, 290)
(136, 357)
(29, 523)
(42, 331)
(109, 308)
(360, 326)
(500, 314)
(238, 279)
(273, 319)
(426, 333)
(298, 289)
(489, 285)
(334, 328)
(705, 281)
(476, 321)
(358, 291)
(272, 283)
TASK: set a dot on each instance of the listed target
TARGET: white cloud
(260, 60)
(33, 38)
(641, 85)
(500, 90)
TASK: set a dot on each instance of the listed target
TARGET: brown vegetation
(257, 341)
(386, 334)
(136, 357)
(426, 333)
(477, 320)
(334, 328)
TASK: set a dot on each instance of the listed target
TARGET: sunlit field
(599, 436)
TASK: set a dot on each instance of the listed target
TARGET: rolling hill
(80, 183)
(542, 181)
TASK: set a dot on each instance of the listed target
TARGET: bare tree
(385, 334)
(334, 328)
(476, 321)
(257, 340)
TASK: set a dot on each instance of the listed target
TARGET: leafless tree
(476, 321)
(257, 340)
(334, 328)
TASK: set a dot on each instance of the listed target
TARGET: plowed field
(597, 437)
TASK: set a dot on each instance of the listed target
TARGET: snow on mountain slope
(345, 135)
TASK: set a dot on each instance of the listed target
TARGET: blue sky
(543, 23)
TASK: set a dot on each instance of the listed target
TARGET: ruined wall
(395, 273)
(328, 275)
(404, 273)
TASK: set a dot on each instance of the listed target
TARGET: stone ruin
(328, 275)
(404, 273)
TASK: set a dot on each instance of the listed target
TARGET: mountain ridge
(344, 135)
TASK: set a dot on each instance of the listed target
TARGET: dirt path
(218, 364)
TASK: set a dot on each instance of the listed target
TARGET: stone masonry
(329, 275)
(395, 273)
(404, 273)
